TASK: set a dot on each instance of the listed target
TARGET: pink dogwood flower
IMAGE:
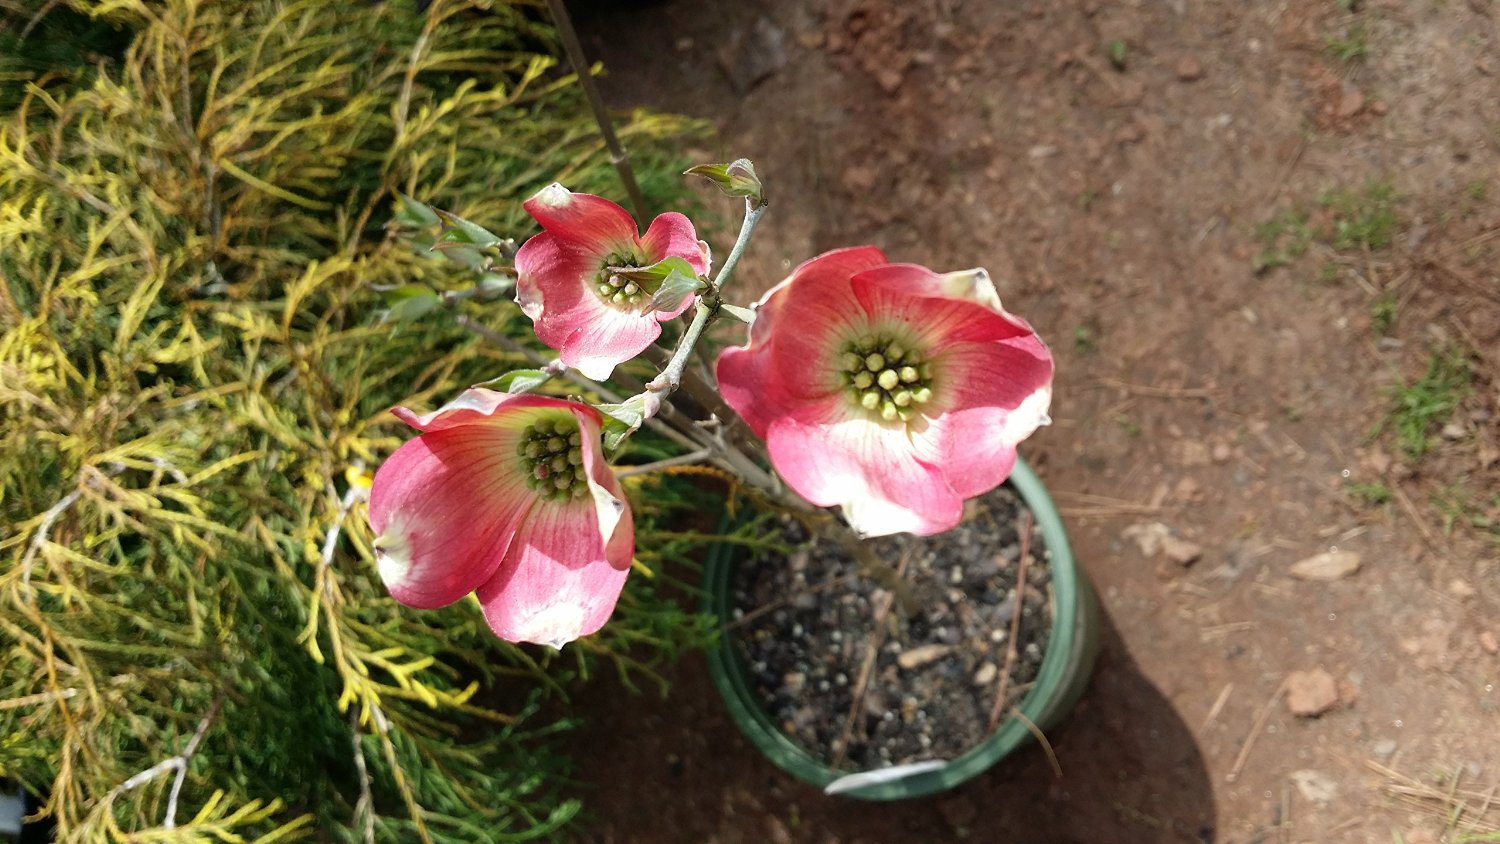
(596, 318)
(509, 496)
(888, 390)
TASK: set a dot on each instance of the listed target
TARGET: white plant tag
(851, 782)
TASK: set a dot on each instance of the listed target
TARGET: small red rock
(1490, 642)
(1128, 134)
(1189, 69)
(1351, 103)
(1311, 693)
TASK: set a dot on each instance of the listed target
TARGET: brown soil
(860, 680)
(1110, 164)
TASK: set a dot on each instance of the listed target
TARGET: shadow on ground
(678, 770)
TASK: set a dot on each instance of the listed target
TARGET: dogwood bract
(509, 496)
(594, 317)
(888, 390)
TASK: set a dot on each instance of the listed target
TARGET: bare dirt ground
(1123, 169)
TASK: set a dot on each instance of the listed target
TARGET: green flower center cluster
(552, 456)
(619, 292)
(886, 378)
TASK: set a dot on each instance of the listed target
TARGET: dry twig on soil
(1456, 804)
(877, 637)
(1255, 731)
(1015, 622)
(1155, 392)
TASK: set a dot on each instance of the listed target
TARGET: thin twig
(576, 57)
(682, 432)
(178, 763)
(1286, 173)
(37, 18)
(1284, 817)
(1003, 686)
(1109, 512)
(705, 395)
(187, 756)
(1411, 510)
(862, 682)
(1104, 500)
(1152, 391)
(1260, 724)
(670, 378)
(753, 213)
(39, 697)
(1468, 280)
(331, 539)
(708, 304)
(656, 466)
(39, 539)
(365, 808)
(1036, 732)
(1213, 711)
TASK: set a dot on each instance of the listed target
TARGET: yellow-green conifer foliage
(192, 369)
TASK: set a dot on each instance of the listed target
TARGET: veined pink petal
(826, 314)
(557, 582)
(444, 507)
(828, 271)
(783, 366)
(595, 223)
(742, 376)
(610, 505)
(923, 301)
(992, 396)
(593, 337)
(479, 405)
(672, 234)
(549, 268)
(869, 470)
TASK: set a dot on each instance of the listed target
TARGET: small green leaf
(622, 420)
(674, 289)
(410, 212)
(463, 254)
(657, 273)
(459, 230)
(518, 381)
(407, 291)
(745, 315)
(737, 178)
(410, 302)
(493, 285)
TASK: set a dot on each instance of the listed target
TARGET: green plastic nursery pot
(1064, 673)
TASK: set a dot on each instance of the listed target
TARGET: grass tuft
(1364, 219)
(1423, 404)
(1284, 238)
(1353, 46)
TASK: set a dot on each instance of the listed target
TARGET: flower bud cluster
(885, 377)
(617, 290)
(552, 457)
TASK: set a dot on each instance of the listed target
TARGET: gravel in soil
(805, 624)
